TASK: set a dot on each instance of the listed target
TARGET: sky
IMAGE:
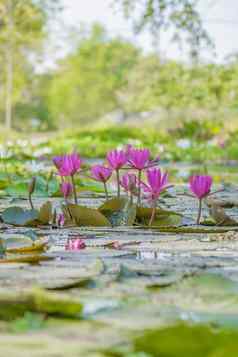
(220, 18)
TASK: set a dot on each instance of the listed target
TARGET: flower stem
(30, 201)
(131, 198)
(74, 190)
(139, 187)
(118, 184)
(105, 189)
(153, 213)
(199, 211)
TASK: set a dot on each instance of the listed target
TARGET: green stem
(199, 211)
(30, 200)
(74, 190)
(118, 184)
(153, 213)
(105, 189)
(139, 188)
(131, 198)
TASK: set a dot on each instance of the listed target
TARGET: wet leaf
(126, 273)
(17, 189)
(220, 217)
(26, 258)
(45, 213)
(43, 188)
(115, 204)
(19, 217)
(21, 244)
(84, 216)
(162, 217)
(37, 300)
(119, 211)
(185, 341)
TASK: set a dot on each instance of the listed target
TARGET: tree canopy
(179, 16)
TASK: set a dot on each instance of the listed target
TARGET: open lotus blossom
(117, 159)
(157, 182)
(139, 159)
(102, 174)
(66, 189)
(75, 244)
(69, 165)
(200, 186)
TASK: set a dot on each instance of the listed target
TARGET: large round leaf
(119, 211)
(19, 217)
(84, 216)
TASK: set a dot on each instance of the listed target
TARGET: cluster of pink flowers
(68, 166)
(138, 160)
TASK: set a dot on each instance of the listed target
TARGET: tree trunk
(9, 68)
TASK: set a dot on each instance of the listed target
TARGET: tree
(180, 16)
(87, 82)
(22, 30)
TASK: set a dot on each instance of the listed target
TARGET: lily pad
(186, 341)
(19, 244)
(45, 214)
(83, 216)
(19, 217)
(162, 217)
(119, 211)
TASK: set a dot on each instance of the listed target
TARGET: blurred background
(85, 74)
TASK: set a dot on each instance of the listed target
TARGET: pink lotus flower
(75, 244)
(101, 173)
(69, 165)
(200, 185)
(138, 158)
(66, 189)
(116, 159)
(129, 182)
(156, 183)
(57, 160)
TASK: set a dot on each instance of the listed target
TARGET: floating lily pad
(83, 216)
(45, 213)
(162, 217)
(187, 341)
(119, 211)
(19, 217)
